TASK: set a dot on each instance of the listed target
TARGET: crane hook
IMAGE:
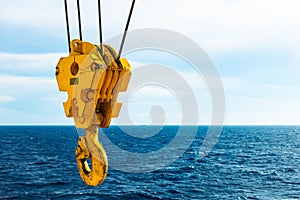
(92, 76)
(90, 148)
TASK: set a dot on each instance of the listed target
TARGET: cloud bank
(254, 45)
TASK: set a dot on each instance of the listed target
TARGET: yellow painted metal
(90, 148)
(92, 82)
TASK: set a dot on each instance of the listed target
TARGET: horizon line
(157, 125)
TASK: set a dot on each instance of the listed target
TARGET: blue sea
(248, 162)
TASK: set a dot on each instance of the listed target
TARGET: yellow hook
(92, 82)
(90, 148)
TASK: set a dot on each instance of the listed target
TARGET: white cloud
(227, 25)
(29, 64)
(6, 98)
(30, 100)
(219, 25)
(40, 15)
(267, 91)
(23, 85)
(261, 103)
(37, 99)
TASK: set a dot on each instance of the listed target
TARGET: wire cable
(126, 29)
(100, 28)
(79, 20)
(68, 28)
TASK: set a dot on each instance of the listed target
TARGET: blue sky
(254, 45)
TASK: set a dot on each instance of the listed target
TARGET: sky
(254, 45)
